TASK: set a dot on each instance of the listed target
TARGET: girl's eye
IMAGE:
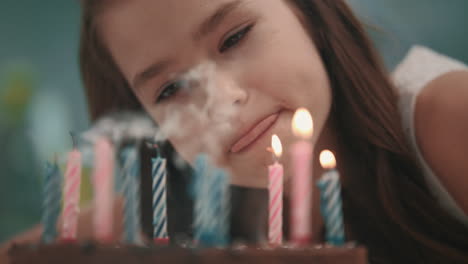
(234, 39)
(169, 90)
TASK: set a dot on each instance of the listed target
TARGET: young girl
(402, 157)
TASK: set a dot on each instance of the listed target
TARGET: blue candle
(330, 200)
(52, 198)
(211, 204)
(130, 188)
(159, 199)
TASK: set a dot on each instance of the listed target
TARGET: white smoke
(216, 111)
(121, 126)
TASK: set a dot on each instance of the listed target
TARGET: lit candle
(71, 197)
(130, 186)
(103, 180)
(211, 204)
(301, 193)
(330, 199)
(159, 200)
(52, 195)
(275, 188)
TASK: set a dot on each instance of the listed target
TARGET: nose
(232, 92)
(227, 97)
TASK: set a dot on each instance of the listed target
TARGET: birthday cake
(93, 254)
(227, 224)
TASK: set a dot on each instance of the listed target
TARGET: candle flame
(302, 124)
(276, 145)
(327, 159)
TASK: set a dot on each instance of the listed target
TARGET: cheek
(314, 92)
(314, 89)
(303, 82)
(287, 67)
(306, 83)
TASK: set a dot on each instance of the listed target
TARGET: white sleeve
(420, 67)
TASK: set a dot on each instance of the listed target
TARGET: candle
(52, 198)
(211, 204)
(71, 196)
(330, 199)
(301, 194)
(130, 186)
(275, 190)
(159, 200)
(103, 180)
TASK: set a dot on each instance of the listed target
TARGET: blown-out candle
(159, 200)
(103, 181)
(52, 199)
(275, 190)
(71, 196)
(130, 187)
(301, 193)
(330, 200)
(211, 204)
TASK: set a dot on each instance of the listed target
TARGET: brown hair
(387, 205)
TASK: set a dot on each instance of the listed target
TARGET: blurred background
(41, 97)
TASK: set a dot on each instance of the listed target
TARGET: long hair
(386, 202)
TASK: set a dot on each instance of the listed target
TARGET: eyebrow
(208, 26)
(150, 72)
(213, 21)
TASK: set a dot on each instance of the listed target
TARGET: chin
(250, 167)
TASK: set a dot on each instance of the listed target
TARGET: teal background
(42, 99)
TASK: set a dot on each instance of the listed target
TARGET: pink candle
(275, 188)
(71, 196)
(103, 180)
(301, 194)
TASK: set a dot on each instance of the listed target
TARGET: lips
(254, 133)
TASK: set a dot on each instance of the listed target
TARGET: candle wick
(273, 155)
(73, 137)
(149, 144)
(158, 150)
(153, 145)
(275, 158)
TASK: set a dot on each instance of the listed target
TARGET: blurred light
(50, 124)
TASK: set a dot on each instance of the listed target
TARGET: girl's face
(221, 76)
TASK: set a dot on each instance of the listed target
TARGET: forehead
(146, 14)
(135, 31)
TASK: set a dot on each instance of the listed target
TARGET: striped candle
(211, 204)
(103, 180)
(330, 200)
(130, 187)
(71, 197)
(52, 199)
(159, 199)
(275, 190)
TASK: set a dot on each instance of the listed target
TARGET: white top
(420, 66)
